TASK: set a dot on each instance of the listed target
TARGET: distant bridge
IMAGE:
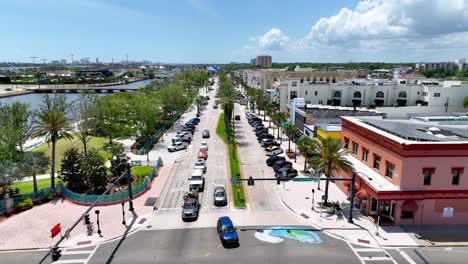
(97, 89)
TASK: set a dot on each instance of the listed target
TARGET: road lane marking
(207, 254)
(244, 185)
(406, 257)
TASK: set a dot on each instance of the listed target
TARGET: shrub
(47, 197)
(371, 106)
(24, 204)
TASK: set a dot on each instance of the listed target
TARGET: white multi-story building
(458, 64)
(371, 93)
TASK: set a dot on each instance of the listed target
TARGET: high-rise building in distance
(264, 61)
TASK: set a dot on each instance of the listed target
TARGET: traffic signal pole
(67, 232)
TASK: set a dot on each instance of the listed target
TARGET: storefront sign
(448, 212)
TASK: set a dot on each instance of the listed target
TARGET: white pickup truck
(185, 135)
(177, 146)
(197, 181)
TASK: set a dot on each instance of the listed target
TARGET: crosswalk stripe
(406, 257)
(369, 250)
(77, 252)
(375, 258)
(70, 261)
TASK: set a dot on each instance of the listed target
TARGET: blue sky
(220, 31)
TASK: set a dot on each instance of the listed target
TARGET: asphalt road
(178, 184)
(203, 246)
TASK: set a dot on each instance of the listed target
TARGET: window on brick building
(376, 162)
(389, 170)
(428, 175)
(456, 172)
(365, 154)
(346, 143)
(355, 148)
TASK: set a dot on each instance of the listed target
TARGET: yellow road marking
(228, 181)
(207, 254)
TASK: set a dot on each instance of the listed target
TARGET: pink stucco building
(409, 172)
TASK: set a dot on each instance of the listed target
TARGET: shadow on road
(129, 227)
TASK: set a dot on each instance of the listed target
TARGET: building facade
(458, 64)
(263, 61)
(408, 172)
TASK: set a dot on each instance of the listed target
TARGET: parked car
(261, 131)
(237, 117)
(194, 121)
(257, 128)
(274, 151)
(254, 119)
(204, 145)
(189, 129)
(197, 180)
(206, 133)
(189, 124)
(207, 97)
(281, 164)
(201, 165)
(177, 146)
(286, 173)
(219, 196)
(272, 159)
(182, 135)
(226, 231)
(215, 106)
(266, 136)
(191, 206)
(202, 154)
(268, 142)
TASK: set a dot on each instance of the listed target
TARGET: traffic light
(86, 219)
(56, 253)
(250, 181)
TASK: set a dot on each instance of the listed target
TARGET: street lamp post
(313, 196)
(98, 225)
(351, 200)
(295, 152)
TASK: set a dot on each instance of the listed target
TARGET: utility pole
(43, 61)
(127, 58)
(71, 55)
(34, 59)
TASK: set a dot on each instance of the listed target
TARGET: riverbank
(75, 85)
(4, 94)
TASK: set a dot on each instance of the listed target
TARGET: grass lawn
(141, 171)
(27, 186)
(239, 198)
(63, 145)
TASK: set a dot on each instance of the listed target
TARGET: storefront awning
(409, 205)
(362, 195)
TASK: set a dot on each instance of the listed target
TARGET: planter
(290, 154)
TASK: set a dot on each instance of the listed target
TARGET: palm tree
(289, 129)
(227, 95)
(329, 157)
(306, 146)
(270, 109)
(278, 118)
(52, 125)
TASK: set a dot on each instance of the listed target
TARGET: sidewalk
(31, 229)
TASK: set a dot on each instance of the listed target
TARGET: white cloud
(380, 30)
(274, 39)
(389, 19)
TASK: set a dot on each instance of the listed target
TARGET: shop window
(293, 94)
(436, 94)
(407, 215)
(376, 162)
(456, 175)
(365, 154)
(355, 148)
(294, 83)
(389, 170)
(427, 172)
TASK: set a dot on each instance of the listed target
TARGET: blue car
(194, 121)
(226, 231)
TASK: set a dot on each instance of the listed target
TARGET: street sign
(312, 179)
(324, 197)
(55, 230)
(233, 180)
(238, 190)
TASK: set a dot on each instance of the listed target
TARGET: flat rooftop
(413, 131)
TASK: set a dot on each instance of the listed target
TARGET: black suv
(272, 159)
(281, 164)
(286, 173)
(266, 136)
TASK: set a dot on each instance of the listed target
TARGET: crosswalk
(368, 255)
(77, 255)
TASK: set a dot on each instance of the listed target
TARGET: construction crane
(34, 59)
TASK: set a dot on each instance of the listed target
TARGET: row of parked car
(282, 168)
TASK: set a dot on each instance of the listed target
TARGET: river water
(34, 100)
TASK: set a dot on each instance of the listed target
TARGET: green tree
(33, 163)
(83, 117)
(278, 118)
(95, 171)
(465, 102)
(227, 95)
(52, 124)
(71, 172)
(329, 156)
(290, 130)
(10, 172)
(119, 160)
(306, 146)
